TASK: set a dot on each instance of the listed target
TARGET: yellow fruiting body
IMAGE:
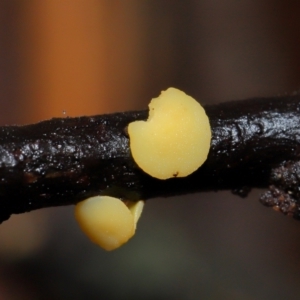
(108, 221)
(175, 140)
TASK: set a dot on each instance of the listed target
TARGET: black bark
(63, 161)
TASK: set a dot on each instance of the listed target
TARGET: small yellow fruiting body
(108, 221)
(175, 140)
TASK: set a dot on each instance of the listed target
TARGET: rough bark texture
(63, 161)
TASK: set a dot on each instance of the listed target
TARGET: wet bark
(63, 161)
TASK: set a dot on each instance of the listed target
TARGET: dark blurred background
(84, 57)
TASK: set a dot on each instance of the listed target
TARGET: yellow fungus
(108, 221)
(175, 140)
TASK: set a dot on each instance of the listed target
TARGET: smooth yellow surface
(108, 221)
(175, 140)
(136, 209)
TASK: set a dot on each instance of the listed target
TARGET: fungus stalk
(254, 143)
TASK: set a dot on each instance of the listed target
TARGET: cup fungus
(108, 221)
(175, 140)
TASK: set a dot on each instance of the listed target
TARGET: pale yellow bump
(175, 140)
(108, 221)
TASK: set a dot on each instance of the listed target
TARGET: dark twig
(62, 161)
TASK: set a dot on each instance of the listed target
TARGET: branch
(63, 161)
